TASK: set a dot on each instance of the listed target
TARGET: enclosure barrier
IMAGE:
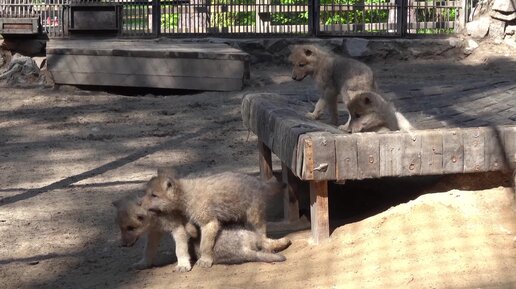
(244, 18)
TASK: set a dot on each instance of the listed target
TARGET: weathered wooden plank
(368, 148)
(300, 159)
(290, 199)
(183, 67)
(474, 158)
(390, 154)
(323, 156)
(319, 213)
(493, 145)
(411, 158)
(431, 152)
(147, 49)
(217, 84)
(453, 151)
(264, 161)
(346, 157)
(509, 134)
(308, 159)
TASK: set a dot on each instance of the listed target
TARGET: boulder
(503, 16)
(510, 30)
(478, 28)
(496, 29)
(507, 6)
(357, 47)
(470, 46)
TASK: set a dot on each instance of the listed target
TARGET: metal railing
(238, 18)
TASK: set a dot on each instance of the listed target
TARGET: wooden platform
(196, 66)
(317, 152)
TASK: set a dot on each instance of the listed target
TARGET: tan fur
(209, 201)
(371, 112)
(134, 221)
(334, 75)
(234, 244)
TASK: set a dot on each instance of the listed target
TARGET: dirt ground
(67, 153)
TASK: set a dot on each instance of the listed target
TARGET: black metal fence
(237, 18)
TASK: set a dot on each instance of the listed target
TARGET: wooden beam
(290, 199)
(319, 213)
(264, 160)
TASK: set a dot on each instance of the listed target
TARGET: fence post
(402, 17)
(313, 17)
(156, 17)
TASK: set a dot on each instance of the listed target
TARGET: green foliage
(289, 18)
(227, 19)
(169, 20)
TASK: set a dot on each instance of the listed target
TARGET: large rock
(478, 28)
(510, 30)
(496, 29)
(470, 46)
(357, 47)
(507, 6)
(503, 16)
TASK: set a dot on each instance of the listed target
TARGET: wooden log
(319, 213)
(453, 151)
(368, 155)
(290, 196)
(411, 158)
(390, 154)
(346, 157)
(432, 152)
(474, 158)
(264, 160)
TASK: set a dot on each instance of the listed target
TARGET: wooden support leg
(264, 160)
(319, 210)
(290, 201)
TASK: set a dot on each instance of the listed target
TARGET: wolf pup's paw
(141, 265)
(204, 262)
(183, 267)
(310, 116)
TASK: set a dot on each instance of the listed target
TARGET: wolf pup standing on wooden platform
(209, 201)
(233, 245)
(334, 75)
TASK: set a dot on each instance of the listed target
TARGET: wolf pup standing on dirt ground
(134, 220)
(334, 75)
(209, 201)
(233, 245)
(369, 111)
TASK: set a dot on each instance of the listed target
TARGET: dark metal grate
(239, 18)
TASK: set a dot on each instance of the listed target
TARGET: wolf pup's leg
(208, 235)
(149, 251)
(183, 256)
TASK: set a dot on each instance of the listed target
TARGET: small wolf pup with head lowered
(233, 245)
(209, 201)
(334, 75)
(369, 111)
(134, 221)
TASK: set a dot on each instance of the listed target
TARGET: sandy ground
(66, 154)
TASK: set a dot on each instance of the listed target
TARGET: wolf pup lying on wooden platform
(209, 201)
(369, 111)
(334, 75)
(233, 245)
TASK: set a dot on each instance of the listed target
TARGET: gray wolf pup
(334, 75)
(209, 201)
(233, 245)
(371, 112)
(134, 220)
